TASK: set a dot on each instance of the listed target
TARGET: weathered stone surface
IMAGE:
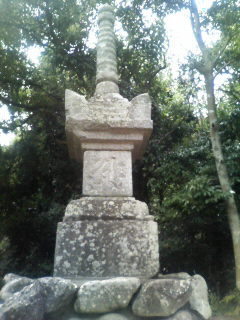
(106, 87)
(59, 293)
(106, 295)
(105, 248)
(179, 275)
(184, 315)
(27, 304)
(199, 297)
(14, 285)
(9, 277)
(72, 318)
(75, 316)
(112, 316)
(106, 47)
(99, 122)
(107, 173)
(161, 297)
(106, 208)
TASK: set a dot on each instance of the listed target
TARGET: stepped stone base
(106, 237)
(170, 297)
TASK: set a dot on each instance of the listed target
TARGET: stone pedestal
(105, 237)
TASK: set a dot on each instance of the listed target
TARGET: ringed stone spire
(107, 77)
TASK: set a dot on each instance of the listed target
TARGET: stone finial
(107, 77)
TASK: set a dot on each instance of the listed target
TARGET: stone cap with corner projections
(107, 121)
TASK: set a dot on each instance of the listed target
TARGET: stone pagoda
(107, 233)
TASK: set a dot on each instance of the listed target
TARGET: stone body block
(106, 295)
(107, 173)
(106, 248)
(199, 297)
(162, 297)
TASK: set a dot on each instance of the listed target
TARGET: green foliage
(229, 305)
(33, 201)
(184, 193)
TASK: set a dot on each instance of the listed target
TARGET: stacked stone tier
(104, 237)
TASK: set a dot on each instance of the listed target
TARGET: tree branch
(16, 104)
(196, 26)
(221, 50)
(26, 107)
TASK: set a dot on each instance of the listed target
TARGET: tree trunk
(232, 212)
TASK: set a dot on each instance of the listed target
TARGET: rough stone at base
(184, 315)
(59, 293)
(9, 277)
(128, 248)
(106, 295)
(15, 285)
(199, 297)
(24, 305)
(113, 316)
(161, 297)
(53, 298)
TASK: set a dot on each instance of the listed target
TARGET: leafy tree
(207, 63)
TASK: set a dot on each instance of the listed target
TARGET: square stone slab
(107, 173)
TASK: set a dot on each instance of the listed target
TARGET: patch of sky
(33, 54)
(5, 138)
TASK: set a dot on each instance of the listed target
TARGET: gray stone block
(106, 208)
(13, 286)
(9, 277)
(184, 315)
(102, 248)
(161, 297)
(106, 295)
(199, 297)
(59, 293)
(113, 316)
(179, 275)
(107, 173)
(27, 304)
